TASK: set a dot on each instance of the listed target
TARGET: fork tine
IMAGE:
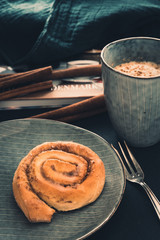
(125, 169)
(137, 166)
(138, 176)
(124, 155)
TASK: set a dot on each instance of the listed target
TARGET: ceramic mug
(133, 103)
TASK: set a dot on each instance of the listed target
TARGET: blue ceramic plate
(17, 138)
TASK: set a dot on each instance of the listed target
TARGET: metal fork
(137, 175)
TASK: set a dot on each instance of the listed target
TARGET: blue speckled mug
(133, 103)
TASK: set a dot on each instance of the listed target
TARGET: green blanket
(42, 32)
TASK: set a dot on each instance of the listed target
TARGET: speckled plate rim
(106, 143)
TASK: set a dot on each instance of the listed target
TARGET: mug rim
(122, 40)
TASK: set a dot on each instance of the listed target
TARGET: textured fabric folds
(40, 32)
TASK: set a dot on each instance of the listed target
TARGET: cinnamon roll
(59, 176)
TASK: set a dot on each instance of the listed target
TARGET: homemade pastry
(57, 176)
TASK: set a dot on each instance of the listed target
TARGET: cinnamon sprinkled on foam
(139, 69)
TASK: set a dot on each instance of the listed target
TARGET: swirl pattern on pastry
(57, 175)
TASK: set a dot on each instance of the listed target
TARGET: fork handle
(153, 198)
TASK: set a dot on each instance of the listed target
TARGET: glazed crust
(57, 175)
